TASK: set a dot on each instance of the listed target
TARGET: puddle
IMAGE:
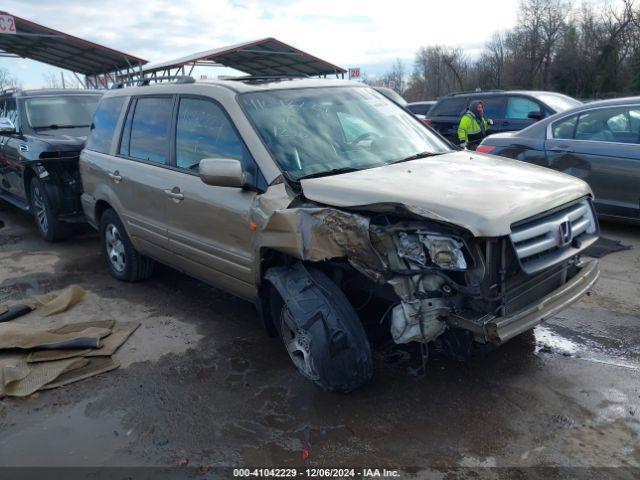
(548, 341)
(54, 439)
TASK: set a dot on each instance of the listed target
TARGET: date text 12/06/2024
(315, 472)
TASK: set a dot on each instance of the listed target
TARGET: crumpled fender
(314, 233)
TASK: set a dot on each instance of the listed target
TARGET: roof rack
(477, 90)
(142, 82)
(266, 78)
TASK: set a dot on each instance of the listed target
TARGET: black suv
(509, 110)
(41, 135)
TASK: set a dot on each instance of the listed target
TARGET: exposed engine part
(418, 320)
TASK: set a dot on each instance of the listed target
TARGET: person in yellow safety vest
(473, 126)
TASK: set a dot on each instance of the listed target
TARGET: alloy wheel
(297, 341)
(40, 209)
(115, 248)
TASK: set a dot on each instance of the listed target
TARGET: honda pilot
(334, 210)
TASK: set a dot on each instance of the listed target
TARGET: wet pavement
(200, 381)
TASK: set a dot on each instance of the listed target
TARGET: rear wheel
(50, 228)
(123, 260)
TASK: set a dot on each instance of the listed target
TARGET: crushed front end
(58, 170)
(495, 288)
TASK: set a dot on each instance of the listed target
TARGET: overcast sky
(350, 33)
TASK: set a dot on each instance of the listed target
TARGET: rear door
(139, 173)
(517, 112)
(445, 116)
(494, 108)
(209, 227)
(602, 150)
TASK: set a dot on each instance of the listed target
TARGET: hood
(63, 137)
(482, 193)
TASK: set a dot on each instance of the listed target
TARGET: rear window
(449, 107)
(558, 102)
(421, 109)
(148, 130)
(104, 124)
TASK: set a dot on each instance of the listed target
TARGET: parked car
(509, 110)
(391, 95)
(41, 135)
(421, 108)
(330, 207)
(597, 142)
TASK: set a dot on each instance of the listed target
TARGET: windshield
(559, 102)
(61, 111)
(317, 130)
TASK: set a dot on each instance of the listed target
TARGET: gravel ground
(201, 382)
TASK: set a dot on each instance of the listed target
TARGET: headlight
(444, 252)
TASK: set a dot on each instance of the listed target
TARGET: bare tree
(437, 71)
(6, 79)
(51, 80)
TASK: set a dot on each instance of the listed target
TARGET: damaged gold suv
(333, 209)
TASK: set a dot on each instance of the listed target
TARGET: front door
(517, 113)
(11, 168)
(209, 227)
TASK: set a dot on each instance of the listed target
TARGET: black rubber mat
(605, 246)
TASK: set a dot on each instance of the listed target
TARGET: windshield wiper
(56, 126)
(335, 171)
(416, 157)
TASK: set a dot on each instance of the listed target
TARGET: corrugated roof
(267, 56)
(53, 47)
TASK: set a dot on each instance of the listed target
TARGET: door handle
(562, 149)
(115, 176)
(175, 194)
(505, 123)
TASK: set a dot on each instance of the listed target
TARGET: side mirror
(535, 115)
(222, 172)
(7, 126)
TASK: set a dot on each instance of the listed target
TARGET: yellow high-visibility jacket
(469, 127)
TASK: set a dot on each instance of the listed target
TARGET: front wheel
(320, 330)
(49, 227)
(123, 260)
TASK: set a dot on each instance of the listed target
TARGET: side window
(634, 121)
(493, 107)
(605, 125)
(151, 129)
(518, 108)
(449, 107)
(9, 109)
(204, 131)
(104, 124)
(619, 123)
(563, 129)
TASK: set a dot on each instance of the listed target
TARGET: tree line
(583, 50)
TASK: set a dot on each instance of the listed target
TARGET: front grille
(546, 240)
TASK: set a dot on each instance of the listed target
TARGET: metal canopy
(53, 47)
(267, 56)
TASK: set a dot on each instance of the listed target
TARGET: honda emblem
(565, 233)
